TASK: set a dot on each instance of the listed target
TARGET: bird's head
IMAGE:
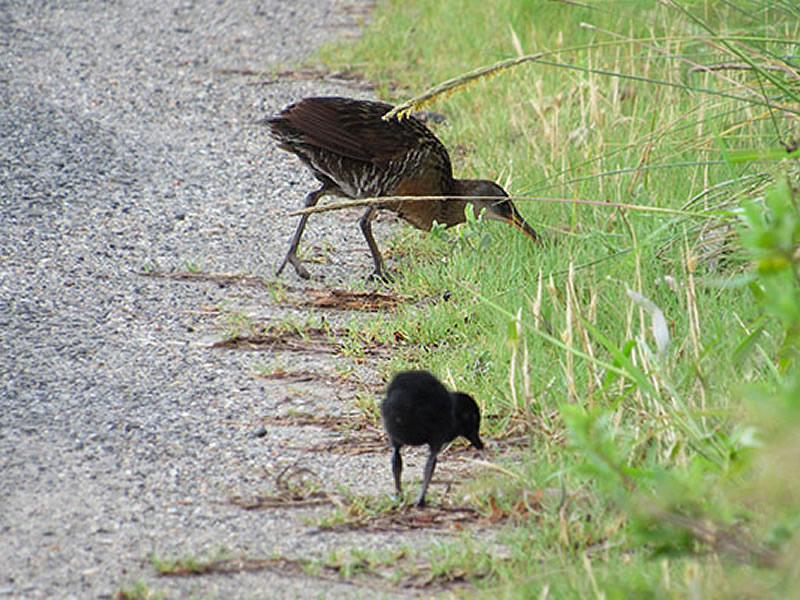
(490, 196)
(467, 417)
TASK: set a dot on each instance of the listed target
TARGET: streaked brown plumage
(354, 153)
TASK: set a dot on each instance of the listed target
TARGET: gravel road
(127, 146)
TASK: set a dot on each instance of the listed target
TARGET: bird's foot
(380, 277)
(420, 502)
(298, 266)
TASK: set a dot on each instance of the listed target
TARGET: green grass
(138, 591)
(652, 453)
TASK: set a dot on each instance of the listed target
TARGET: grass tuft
(645, 361)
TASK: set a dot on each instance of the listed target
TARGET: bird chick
(419, 410)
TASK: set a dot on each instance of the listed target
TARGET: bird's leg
(397, 470)
(291, 256)
(366, 229)
(430, 465)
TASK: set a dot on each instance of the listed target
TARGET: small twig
(451, 85)
(387, 201)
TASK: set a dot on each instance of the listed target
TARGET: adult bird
(354, 153)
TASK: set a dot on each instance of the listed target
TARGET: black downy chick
(419, 410)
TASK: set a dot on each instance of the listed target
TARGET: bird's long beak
(520, 223)
(499, 211)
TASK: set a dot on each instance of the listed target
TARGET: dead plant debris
(337, 423)
(296, 486)
(299, 487)
(353, 444)
(354, 300)
(320, 340)
(409, 518)
(451, 579)
(289, 341)
(222, 279)
(418, 576)
(304, 376)
(185, 568)
(442, 517)
(338, 568)
(351, 78)
(339, 299)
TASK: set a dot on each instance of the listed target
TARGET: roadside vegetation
(643, 367)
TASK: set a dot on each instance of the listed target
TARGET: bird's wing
(354, 128)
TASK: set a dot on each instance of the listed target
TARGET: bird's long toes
(300, 269)
(293, 260)
(380, 277)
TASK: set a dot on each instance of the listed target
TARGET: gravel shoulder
(127, 146)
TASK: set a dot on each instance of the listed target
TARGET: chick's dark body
(419, 410)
